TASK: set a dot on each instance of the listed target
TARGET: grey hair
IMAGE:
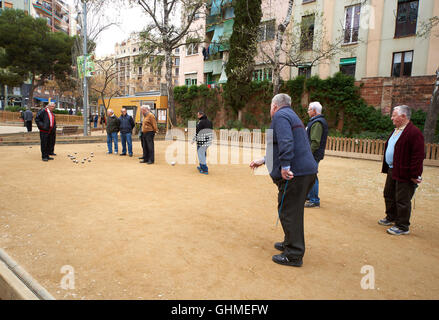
(51, 104)
(110, 111)
(316, 106)
(404, 110)
(281, 100)
(145, 107)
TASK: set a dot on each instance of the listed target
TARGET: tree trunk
(279, 40)
(31, 92)
(432, 113)
(170, 88)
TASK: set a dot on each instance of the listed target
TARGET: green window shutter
(345, 61)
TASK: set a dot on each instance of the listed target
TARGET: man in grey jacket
(293, 169)
(28, 117)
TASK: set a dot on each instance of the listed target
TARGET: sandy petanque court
(133, 231)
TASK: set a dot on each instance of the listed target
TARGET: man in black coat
(203, 137)
(46, 123)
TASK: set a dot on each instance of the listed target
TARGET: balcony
(61, 28)
(42, 8)
(215, 19)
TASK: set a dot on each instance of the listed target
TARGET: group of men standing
(125, 124)
(297, 152)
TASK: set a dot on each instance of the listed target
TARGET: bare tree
(165, 33)
(430, 29)
(282, 27)
(98, 21)
(299, 45)
(104, 83)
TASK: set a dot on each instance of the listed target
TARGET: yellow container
(158, 105)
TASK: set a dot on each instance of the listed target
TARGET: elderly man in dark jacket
(317, 130)
(45, 120)
(113, 124)
(293, 169)
(126, 129)
(403, 164)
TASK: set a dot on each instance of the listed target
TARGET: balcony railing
(213, 19)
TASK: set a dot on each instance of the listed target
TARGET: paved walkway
(15, 129)
(20, 129)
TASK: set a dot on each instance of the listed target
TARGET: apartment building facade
(134, 76)
(205, 63)
(57, 13)
(16, 4)
(375, 41)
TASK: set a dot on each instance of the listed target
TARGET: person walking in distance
(28, 116)
(203, 137)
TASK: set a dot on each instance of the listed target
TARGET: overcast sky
(130, 19)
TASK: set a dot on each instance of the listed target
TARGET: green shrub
(14, 108)
(56, 111)
(234, 124)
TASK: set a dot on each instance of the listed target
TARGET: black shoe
(45, 159)
(279, 246)
(150, 162)
(312, 205)
(50, 158)
(52, 154)
(123, 154)
(141, 158)
(131, 155)
(283, 260)
(143, 161)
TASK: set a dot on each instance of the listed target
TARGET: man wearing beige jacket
(149, 129)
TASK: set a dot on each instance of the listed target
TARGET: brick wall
(386, 93)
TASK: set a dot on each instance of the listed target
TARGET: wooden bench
(69, 130)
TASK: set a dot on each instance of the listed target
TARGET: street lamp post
(85, 91)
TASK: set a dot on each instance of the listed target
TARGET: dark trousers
(52, 140)
(44, 138)
(291, 213)
(47, 143)
(398, 199)
(28, 125)
(148, 146)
